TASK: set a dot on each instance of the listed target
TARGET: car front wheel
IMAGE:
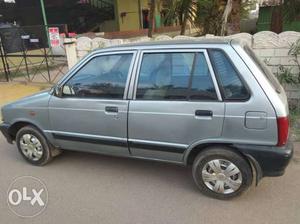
(33, 146)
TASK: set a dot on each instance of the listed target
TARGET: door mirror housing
(58, 91)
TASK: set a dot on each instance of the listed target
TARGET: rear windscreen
(264, 69)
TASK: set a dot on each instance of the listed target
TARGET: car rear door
(91, 115)
(176, 102)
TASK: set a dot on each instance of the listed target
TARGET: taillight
(283, 130)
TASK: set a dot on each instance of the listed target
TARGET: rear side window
(231, 84)
(175, 76)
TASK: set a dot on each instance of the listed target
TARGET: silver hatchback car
(211, 104)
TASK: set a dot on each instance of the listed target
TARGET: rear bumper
(4, 128)
(269, 161)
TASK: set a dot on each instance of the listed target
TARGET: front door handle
(203, 113)
(110, 109)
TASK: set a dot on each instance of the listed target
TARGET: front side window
(231, 84)
(175, 76)
(102, 77)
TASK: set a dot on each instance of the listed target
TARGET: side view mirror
(58, 91)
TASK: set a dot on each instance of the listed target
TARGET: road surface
(89, 188)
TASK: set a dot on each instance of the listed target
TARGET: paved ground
(104, 189)
(100, 189)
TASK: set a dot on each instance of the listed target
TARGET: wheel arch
(17, 125)
(193, 151)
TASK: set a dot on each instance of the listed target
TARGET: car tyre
(34, 147)
(221, 173)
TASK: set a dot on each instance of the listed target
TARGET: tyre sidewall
(46, 156)
(227, 154)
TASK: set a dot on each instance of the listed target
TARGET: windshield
(264, 69)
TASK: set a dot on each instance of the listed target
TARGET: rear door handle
(203, 113)
(111, 109)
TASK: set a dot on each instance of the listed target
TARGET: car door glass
(175, 76)
(202, 87)
(233, 88)
(101, 77)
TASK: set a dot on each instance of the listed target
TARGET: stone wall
(272, 48)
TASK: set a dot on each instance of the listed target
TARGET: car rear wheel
(33, 146)
(221, 173)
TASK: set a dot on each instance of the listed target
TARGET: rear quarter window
(229, 80)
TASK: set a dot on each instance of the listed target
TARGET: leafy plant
(286, 12)
(285, 75)
(295, 52)
(181, 11)
(212, 16)
(230, 6)
(291, 9)
(151, 17)
(246, 7)
(209, 17)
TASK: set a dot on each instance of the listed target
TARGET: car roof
(168, 43)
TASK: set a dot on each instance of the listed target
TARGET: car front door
(92, 112)
(176, 102)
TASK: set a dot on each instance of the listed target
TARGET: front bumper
(269, 161)
(4, 128)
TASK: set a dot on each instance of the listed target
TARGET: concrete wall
(270, 47)
(109, 26)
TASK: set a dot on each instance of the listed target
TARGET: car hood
(40, 99)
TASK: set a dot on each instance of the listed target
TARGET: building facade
(83, 15)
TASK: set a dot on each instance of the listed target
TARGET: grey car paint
(81, 117)
(32, 109)
(157, 122)
(163, 124)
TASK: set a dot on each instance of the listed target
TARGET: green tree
(287, 11)
(182, 11)
(225, 17)
(151, 18)
(209, 17)
(234, 11)
(246, 7)
(235, 16)
(238, 10)
(291, 10)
